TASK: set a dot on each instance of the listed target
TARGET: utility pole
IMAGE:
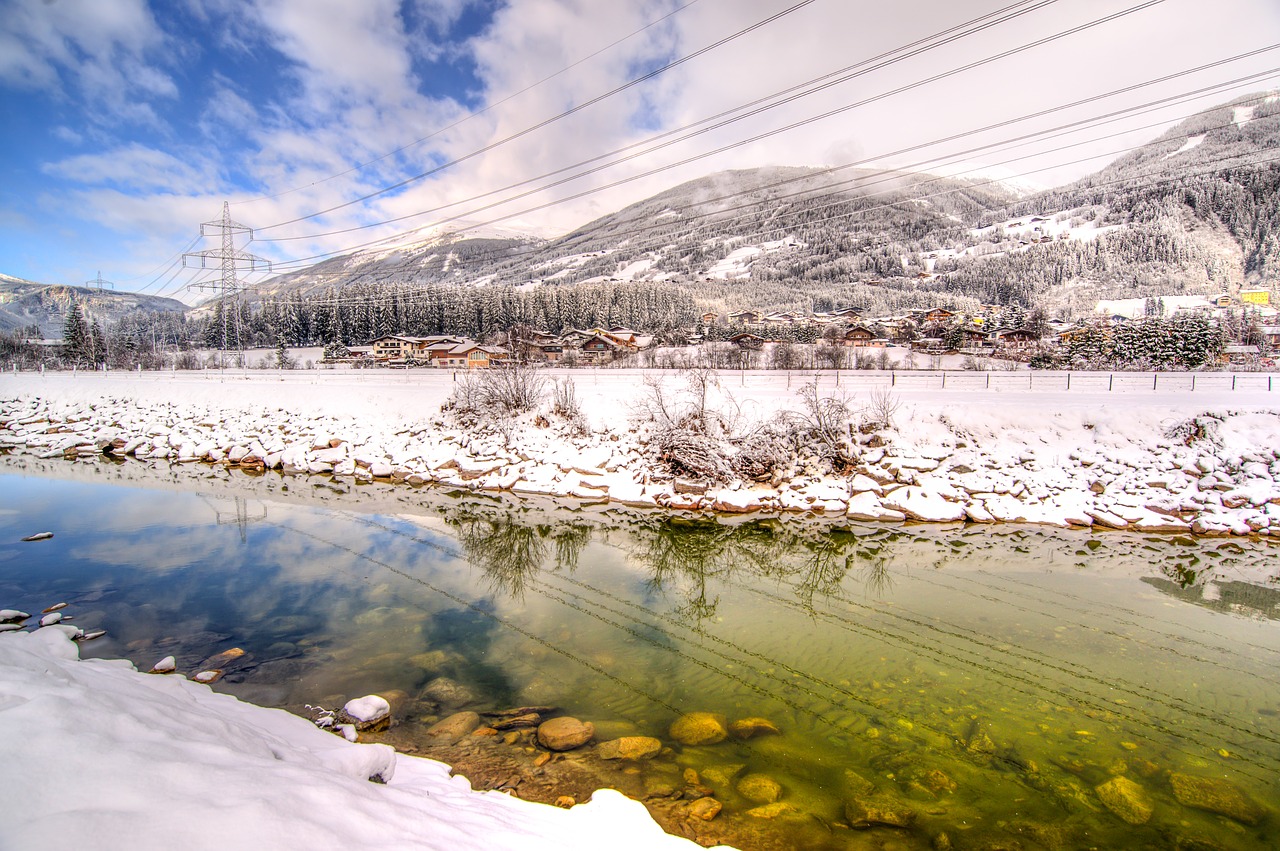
(99, 283)
(230, 260)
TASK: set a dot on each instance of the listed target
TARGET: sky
(330, 124)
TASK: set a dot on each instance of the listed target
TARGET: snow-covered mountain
(26, 303)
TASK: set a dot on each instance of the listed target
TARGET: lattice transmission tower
(230, 260)
(99, 283)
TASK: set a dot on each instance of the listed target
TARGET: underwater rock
(881, 809)
(455, 726)
(722, 775)
(1216, 796)
(564, 734)
(630, 747)
(771, 811)
(760, 788)
(516, 722)
(448, 692)
(699, 728)
(705, 809)
(747, 728)
(857, 786)
(1126, 799)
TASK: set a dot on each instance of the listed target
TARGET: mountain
(26, 303)
(1194, 212)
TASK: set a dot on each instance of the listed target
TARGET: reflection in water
(987, 681)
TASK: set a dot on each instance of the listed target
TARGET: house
(938, 314)
(1271, 334)
(394, 347)
(709, 318)
(847, 313)
(859, 336)
(1239, 354)
(744, 317)
(750, 342)
(1262, 297)
(1017, 339)
(1222, 300)
(976, 338)
(599, 348)
(470, 355)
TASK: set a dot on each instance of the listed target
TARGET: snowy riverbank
(101, 755)
(1147, 461)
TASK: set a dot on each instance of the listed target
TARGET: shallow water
(988, 680)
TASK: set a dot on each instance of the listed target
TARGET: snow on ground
(738, 263)
(1192, 142)
(1116, 454)
(1242, 115)
(99, 755)
(1136, 308)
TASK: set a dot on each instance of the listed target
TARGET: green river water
(1002, 684)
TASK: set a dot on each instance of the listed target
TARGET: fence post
(1110, 379)
(988, 381)
(1155, 377)
(944, 379)
(1193, 382)
(1068, 379)
(1233, 381)
(893, 377)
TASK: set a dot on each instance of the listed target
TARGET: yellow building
(1255, 297)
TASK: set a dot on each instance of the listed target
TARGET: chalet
(847, 312)
(1239, 354)
(1271, 334)
(1222, 300)
(600, 348)
(786, 318)
(938, 314)
(468, 356)
(859, 336)
(975, 338)
(709, 318)
(394, 347)
(750, 342)
(744, 317)
(1016, 339)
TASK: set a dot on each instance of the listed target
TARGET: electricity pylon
(99, 283)
(231, 260)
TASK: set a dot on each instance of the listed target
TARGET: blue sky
(127, 122)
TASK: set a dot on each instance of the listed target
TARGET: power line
(953, 137)
(789, 127)
(781, 98)
(571, 111)
(490, 107)
(230, 260)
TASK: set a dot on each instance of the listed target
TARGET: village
(1244, 332)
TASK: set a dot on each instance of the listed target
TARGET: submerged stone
(760, 788)
(747, 728)
(455, 726)
(1216, 796)
(699, 728)
(878, 810)
(1126, 799)
(564, 734)
(705, 809)
(630, 747)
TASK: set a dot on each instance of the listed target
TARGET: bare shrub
(823, 422)
(763, 454)
(879, 410)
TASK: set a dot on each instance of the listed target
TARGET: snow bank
(1168, 461)
(100, 755)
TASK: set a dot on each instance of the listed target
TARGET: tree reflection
(507, 552)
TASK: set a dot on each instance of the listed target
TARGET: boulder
(447, 692)
(749, 728)
(564, 733)
(705, 809)
(760, 788)
(699, 728)
(455, 726)
(1126, 799)
(1216, 796)
(367, 714)
(630, 747)
(874, 810)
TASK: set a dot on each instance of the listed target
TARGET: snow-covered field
(100, 755)
(1112, 452)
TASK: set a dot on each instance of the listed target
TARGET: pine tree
(75, 334)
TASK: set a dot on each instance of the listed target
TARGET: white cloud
(101, 50)
(134, 166)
